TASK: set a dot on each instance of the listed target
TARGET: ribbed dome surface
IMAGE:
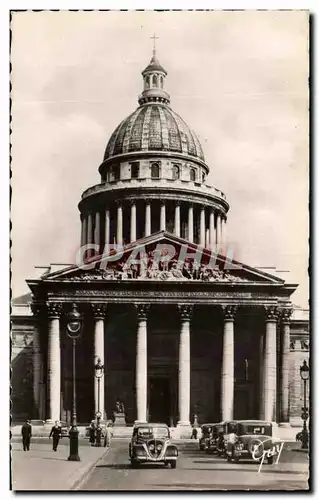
(153, 127)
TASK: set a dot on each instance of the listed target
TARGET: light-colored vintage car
(251, 439)
(151, 443)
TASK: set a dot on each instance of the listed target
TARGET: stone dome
(153, 127)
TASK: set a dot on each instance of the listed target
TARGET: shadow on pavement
(222, 487)
(128, 466)
(114, 466)
(264, 471)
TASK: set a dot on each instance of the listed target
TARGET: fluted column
(99, 312)
(148, 218)
(261, 375)
(54, 362)
(90, 236)
(224, 232)
(202, 227)
(191, 224)
(212, 238)
(184, 366)
(119, 228)
(97, 232)
(36, 360)
(227, 388)
(269, 378)
(218, 230)
(141, 363)
(163, 216)
(133, 222)
(107, 227)
(83, 229)
(177, 223)
(285, 351)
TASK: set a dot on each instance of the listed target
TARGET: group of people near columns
(97, 433)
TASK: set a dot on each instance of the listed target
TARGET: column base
(284, 424)
(183, 430)
(50, 421)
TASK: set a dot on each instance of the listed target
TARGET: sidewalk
(42, 469)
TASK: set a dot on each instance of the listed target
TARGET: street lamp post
(74, 327)
(98, 372)
(304, 374)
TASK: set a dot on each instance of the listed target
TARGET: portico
(210, 346)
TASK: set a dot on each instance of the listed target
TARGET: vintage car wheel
(134, 464)
(173, 464)
(270, 460)
(229, 458)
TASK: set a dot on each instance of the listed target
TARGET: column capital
(229, 312)
(271, 313)
(285, 315)
(99, 310)
(132, 202)
(177, 203)
(142, 310)
(54, 309)
(119, 203)
(185, 311)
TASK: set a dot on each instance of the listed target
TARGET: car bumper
(154, 460)
(241, 454)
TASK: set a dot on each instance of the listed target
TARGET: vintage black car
(151, 443)
(249, 439)
(206, 430)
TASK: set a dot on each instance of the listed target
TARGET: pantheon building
(181, 329)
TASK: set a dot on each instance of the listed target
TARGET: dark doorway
(242, 403)
(159, 400)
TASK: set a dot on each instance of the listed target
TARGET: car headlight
(159, 447)
(152, 447)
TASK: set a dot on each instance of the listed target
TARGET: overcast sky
(239, 79)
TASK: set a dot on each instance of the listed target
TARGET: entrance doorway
(159, 400)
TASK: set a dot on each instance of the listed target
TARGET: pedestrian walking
(26, 432)
(92, 429)
(108, 434)
(56, 433)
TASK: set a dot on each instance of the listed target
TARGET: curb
(81, 480)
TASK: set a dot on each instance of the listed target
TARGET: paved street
(45, 470)
(196, 471)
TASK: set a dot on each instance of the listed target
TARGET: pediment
(163, 257)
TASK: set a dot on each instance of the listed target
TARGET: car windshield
(152, 432)
(255, 429)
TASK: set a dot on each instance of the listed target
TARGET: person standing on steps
(26, 432)
(56, 433)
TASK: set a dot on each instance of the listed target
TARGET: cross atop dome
(154, 38)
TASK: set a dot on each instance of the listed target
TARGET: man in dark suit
(56, 433)
(26, 432)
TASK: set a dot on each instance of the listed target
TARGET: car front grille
(155, 447)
